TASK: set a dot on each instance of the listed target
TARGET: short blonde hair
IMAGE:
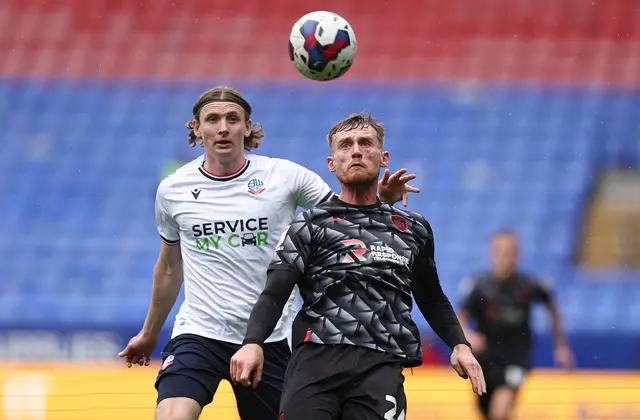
(354, 121)
(225, 93)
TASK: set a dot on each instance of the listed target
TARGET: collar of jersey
(228, 177)
(335, 198)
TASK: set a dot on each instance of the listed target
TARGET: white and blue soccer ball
(322, 46)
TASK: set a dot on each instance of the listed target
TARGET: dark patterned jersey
(502, 311)
(356, 269)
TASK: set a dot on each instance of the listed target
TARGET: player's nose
(222, 128)
(355, 152)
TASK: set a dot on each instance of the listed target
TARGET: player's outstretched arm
(264, 317)
(167, 280)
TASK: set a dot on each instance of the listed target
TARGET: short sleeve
(308, 188)
(293, 251)
(167, 227)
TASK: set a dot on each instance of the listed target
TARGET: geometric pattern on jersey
(354, 265)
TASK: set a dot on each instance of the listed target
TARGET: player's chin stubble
(357, 178)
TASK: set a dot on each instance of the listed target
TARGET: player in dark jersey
(357, 263)
(499, 303)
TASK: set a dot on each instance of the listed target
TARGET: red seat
(567, 41)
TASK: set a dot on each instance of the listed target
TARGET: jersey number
(391, 414)
(356, 253)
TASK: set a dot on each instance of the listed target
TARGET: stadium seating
(80, 157)
(436, 40)
(80, 163)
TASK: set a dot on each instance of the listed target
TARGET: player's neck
(222, 167)
(502, 276)
(361, 196)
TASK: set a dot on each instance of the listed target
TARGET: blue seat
(77, 194)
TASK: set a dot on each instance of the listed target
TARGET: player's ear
(196, 128)
(249, 125)
(331, 164)
(385, 160)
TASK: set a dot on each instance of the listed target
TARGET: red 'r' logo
(357, 251)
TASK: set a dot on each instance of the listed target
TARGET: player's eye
(212, 118)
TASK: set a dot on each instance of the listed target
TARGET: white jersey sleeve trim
(167, 227)
(168, 242)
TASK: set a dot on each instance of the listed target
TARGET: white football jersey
(227, 228)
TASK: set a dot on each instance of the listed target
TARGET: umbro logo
(196, 193)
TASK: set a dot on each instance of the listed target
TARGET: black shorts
(498, 375)
(193, 366)
(326, 382)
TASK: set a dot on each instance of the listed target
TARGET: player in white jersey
(220, 217)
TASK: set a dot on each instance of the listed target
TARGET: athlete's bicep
(169, 264)
(171, 255)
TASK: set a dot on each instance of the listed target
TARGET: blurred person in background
(220, 217)
(499, 303)
(173, 165)
(181, 157)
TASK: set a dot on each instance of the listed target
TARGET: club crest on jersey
(256, 187)
(400, 222)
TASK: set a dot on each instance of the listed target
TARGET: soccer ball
(322, 46)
